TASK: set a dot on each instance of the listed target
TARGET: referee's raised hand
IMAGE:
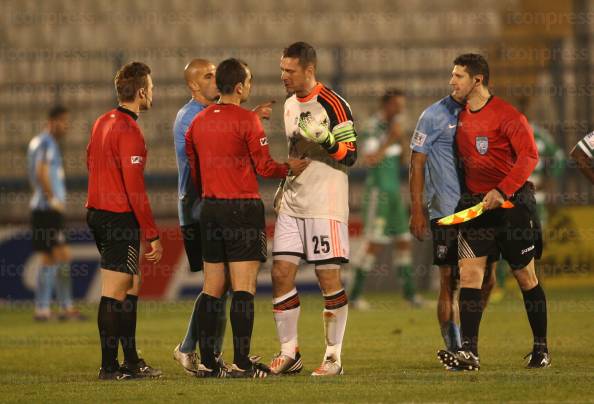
(156, 252)
(264, 110)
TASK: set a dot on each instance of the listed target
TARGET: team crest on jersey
(136, 159)
(442, 251)
(482, 144)
(419, 138)
(263, 141)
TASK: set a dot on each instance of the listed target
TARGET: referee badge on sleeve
(482, 144)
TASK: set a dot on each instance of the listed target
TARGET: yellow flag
(468, 214)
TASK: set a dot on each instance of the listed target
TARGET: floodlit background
(66, 52)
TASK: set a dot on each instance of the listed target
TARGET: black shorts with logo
(233, 230)
(47, 230)
(193, 246)
(445, 244)
(117, 236)
(514, 233)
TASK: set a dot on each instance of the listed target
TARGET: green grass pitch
(388, 356)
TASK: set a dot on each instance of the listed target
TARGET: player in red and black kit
(118, 215)
(226, 147)
(497, 152)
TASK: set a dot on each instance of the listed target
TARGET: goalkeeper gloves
(310, 129)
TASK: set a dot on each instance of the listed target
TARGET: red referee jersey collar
(126, 111)
(474, 111)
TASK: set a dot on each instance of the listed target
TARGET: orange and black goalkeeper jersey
(321, 191)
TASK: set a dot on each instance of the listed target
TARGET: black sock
(209, 309)
(221, 325)
(242, 323)
(128, 329)
(108, 322)
(471, 312)
(535, 303)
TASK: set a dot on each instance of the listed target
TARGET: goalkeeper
(312, 223)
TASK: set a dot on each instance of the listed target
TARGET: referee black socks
(209, 309)
(108, 321)
(535, 303)
(128, 329)
(471, 312)
(242, 323)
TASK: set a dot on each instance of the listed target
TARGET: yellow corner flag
(468, 214)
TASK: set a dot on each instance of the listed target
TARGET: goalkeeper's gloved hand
(316, 132)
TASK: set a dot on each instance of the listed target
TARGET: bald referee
(118, 215)
(199, 76)
(226, 147)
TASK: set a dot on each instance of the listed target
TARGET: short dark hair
(302, 51)
(391, 93)
(129, 79)
(56, 112)
(474, 64)
(230, 72)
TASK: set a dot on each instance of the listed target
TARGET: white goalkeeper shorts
(317, 241)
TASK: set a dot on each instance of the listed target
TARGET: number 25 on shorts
(321, 241)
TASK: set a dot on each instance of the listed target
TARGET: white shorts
(314, 240)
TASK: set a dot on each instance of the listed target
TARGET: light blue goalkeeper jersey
(435, 136)
(188, 198)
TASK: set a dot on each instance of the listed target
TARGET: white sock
(286, 310)
(335, 318)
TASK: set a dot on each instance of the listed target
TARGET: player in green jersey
(384, 214)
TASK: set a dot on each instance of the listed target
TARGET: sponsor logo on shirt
(419, 139)
(263, 141)
(482, 144)
(136, 159)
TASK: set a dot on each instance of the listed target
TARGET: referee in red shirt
(118, 215)
(226, 147)
(497, 150)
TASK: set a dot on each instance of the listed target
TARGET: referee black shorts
(193, 245)
(233, 230)
(47, 228)
(117, 236)
(514, 233)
